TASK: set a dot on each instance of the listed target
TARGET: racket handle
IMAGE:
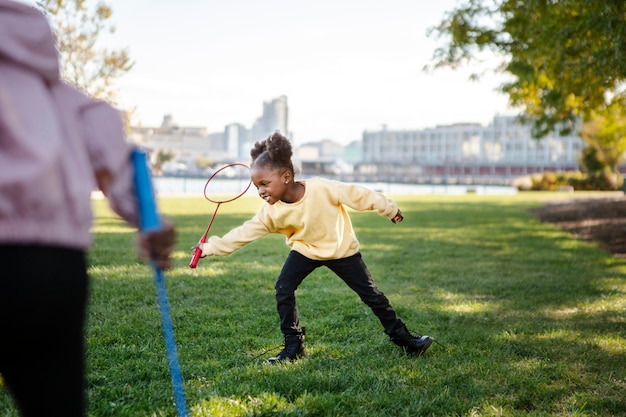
(197, 253)
(196, 257)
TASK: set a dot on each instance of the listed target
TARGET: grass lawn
(532, 321)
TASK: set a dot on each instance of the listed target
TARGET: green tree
(567, 60)
(605, 133)
(77, 29)
(160, 157)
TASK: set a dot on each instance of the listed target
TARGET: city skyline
(346, 66)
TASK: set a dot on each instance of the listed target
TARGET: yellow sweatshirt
(317, 226)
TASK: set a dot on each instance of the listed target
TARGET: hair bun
(275, 150)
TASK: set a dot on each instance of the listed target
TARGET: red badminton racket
(220, 192)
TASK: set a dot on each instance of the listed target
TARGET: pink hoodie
(53, 139)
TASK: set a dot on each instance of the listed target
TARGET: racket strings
(236, 174)
(228, 183)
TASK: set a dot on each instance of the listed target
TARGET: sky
(345, 65)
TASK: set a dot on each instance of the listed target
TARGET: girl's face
(272, 184)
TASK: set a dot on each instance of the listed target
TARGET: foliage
(605, 132)
(599, 180)
(83, 64)
(203, 162)
(549, 181)
(532, 319)
(160, 157)
(566, 59)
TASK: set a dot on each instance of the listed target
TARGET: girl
(311, 214)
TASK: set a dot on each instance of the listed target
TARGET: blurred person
(56, 146)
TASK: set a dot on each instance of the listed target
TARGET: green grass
(533, 321)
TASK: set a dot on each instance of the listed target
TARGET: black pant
(43, 297)
(351, 270)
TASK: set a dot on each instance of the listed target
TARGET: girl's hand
(198, 246)
(398, 217)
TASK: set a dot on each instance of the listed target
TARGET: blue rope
(149, 221)
(170, 343)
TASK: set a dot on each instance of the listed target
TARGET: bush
(602, 180)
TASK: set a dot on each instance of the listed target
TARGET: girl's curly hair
(275, 152)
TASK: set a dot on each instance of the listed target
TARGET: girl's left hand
(398, 217)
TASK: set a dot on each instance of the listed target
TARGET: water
(195, 186)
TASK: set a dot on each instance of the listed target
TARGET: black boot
(408, 342)
(294, 349)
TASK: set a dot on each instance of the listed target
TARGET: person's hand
(398, 217)
(198, 246)
(159, 245)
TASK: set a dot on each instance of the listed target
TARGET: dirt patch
(598, 219)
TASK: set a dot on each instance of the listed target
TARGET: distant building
(353, 152)
(505, 148)
(275, 117)
(461, 152)
(232, 144)
(237, 141)
(188, 143)
(325, 157)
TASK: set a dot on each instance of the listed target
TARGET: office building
(505, 148)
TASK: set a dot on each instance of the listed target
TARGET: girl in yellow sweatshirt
(312, 216)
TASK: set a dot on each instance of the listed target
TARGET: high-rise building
(275, 117)
(237, 139)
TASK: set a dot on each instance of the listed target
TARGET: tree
(567, 59)
(83, 64)
(159, 158)
(605, 132)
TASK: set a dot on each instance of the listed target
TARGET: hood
(26, 39)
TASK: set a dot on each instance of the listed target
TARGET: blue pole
(148, 222)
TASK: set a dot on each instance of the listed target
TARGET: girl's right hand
(198, 246)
